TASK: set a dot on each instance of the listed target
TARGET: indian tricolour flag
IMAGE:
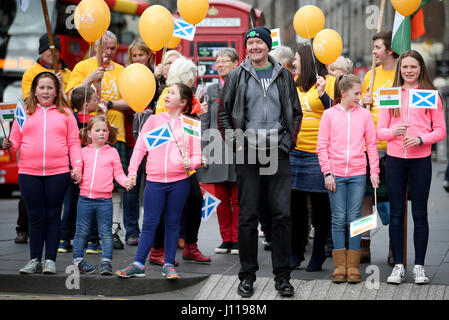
(7, 111)
(191, 126)
(389, 97)
(406, 29)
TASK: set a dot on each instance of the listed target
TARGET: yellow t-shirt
(109, 88)
(312, 111)
(33, 71)
(160, 106)
(382, 79)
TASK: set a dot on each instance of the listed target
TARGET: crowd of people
(296, 136)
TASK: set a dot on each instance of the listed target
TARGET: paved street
(218, 280)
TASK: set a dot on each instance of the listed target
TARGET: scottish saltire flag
(7, 111)
(184, 30)
(210, 204)
(427, 99)
(157, 137)
(389, 97)
(20, 114)
(191, 126)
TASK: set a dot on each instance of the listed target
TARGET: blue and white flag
(157, 137)
(427, 99)
(24, 4)
(210, 204)
(20, 114)
(184, 30)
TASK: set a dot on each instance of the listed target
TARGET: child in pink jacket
(47, 138)
(410, 135)
(346, 130)
(168, 163)
(101, 164)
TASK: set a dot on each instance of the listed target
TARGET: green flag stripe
(389, 102)
(402, 39)
(7, 116)
(191, 132)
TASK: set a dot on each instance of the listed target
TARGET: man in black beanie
(45, 63)
(260, 106)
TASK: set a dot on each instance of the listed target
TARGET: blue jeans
(346, 203)
(417, 175)
(157, 196)
(88, 210)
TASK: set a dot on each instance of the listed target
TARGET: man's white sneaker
(420, 275)
(397, 275)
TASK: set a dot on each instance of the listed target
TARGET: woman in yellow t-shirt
(315, 94)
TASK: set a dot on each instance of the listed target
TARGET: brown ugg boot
(365, 251)
(353, 261)
(339, 274)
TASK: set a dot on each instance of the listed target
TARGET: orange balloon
(308, 21)
(156, 27)
(137, 86)
(327, 46)
(193, 11)
(406, 7)
(173, 42)
(92, 19)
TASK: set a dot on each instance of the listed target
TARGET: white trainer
(420, 275)
(397, 275)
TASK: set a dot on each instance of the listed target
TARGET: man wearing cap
(45, 63)
(260, 107)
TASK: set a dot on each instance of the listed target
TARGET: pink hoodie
(164, 163)
(428, 124)
(100, 167)
(342, 139)
(47, 140)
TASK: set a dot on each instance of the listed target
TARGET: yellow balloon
(173, 42)
(156, 27)
(327, 46)
(92, 19)
(137, 86)
(193, 11)
(308, 21)
(406, 7)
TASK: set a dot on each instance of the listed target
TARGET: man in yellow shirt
(386, 61)
(45, 63)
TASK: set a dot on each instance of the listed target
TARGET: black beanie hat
(44, 43)
(259, 32)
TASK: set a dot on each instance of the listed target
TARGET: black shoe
(22, 237)
(316, 262)
(284, 287)
(246, 288)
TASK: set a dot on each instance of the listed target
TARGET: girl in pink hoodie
(101, 164)
(346, 130)
(171, 154)
(46, 139)
(410, 135)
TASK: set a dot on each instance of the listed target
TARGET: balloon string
(85, 94)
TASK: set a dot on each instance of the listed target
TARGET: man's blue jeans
(89, 210)
(346, 203)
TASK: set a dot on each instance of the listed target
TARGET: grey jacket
(245, 104)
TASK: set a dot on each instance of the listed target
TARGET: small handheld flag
(210, 204)
(427, 99)
(389, 97)
(275, 38)
(157, 137)
(184, 30)
(7, 111)
(20, 114)
(191, 126)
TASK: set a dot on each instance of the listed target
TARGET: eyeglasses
(222, 61)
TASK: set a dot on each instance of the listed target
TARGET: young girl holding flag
(410, 134)
(170, 157)
(46, 139)
(345, 131)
